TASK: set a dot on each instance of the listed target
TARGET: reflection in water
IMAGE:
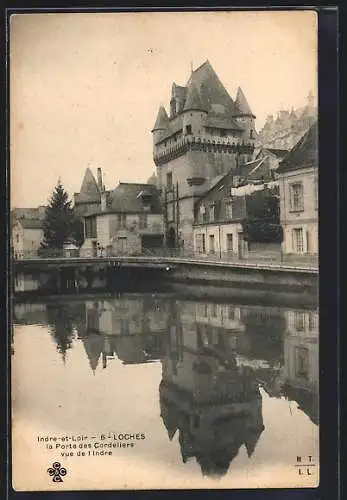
(214, 357)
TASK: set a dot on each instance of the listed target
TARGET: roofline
(111, 211)
(245, 114)
(211, 188)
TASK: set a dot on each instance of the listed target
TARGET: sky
(85, 88)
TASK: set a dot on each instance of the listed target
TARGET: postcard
(164, 248)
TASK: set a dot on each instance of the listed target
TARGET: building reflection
(215, 358)
(301, 364)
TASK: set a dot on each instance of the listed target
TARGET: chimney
(99, 174)
(103, 201)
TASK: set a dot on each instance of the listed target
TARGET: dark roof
(214, 96)
(204, 91)
(194, 101)
(31, 223)
(162, 121)
(128, 197)
(93, 345)
(220, 121)
(179, 91)
(304, 154)
(242, 105)
(89, 190)
(278, 152)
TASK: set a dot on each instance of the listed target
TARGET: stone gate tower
(205, 135)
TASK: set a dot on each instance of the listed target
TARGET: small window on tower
(169, 179)
(188, 130)
(251, 135)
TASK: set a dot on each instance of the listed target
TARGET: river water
(158, 391)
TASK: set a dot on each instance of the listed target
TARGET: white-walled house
(298, 183)
(219, 216)
(129, 222)
(27, 235)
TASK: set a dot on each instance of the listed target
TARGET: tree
(77, 231)
(59, 217)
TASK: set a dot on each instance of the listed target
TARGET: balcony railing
(193, 143)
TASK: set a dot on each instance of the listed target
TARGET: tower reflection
(215, 358)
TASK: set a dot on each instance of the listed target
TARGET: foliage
(61, 327)
(77, 232)
(263, 219)
(59, 219)
(262, 231)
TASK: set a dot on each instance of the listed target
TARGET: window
(308, 241)
(122, 220)
(229, 210)
(211, 241)
(311, 321)
(214, 310)
(301, 362)
(298, 240)
(296, 197)
(122, 243)
(299, 321)
(90, 227)
(200, 243)
(169, 179)
(251, 134)
(143, 221)
(188, 130)
(229, 242)
(231, 313)
(17, 238)
(211, 213)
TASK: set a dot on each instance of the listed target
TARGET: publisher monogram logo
(57, 471)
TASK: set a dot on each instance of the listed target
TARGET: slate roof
(242, 105)
(212, 92)
(304, 154)
(278, 152)
(162, 121)
(89, 190)
(204, 91)
(93, 345)
(128, 197)
(179, 91)
(194, 101)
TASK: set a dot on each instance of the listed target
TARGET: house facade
(219, 217)
(217, 228)
(205, 135)
(298, 183)
(27, 236)
(129, 222)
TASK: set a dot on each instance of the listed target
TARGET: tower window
(169, 179)
(188, 130)
(251, 135)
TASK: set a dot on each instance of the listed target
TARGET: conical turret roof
(194, 101)
(161, 123)
(242, 105)
(93, 345)
(89, 189)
